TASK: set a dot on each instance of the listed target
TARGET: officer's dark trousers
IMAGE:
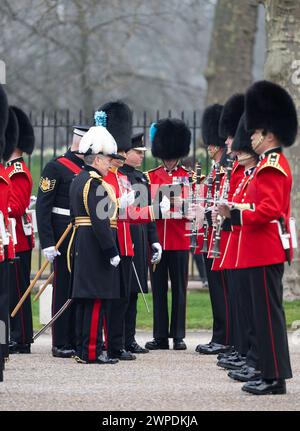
(4, 308)
(21, 325)
(89, 315)
(269, 321)
(130, 319)
(218, 291)
(116, 308)
(174, 263)
(241, 316)
(63, 330)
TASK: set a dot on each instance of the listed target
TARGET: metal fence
(53, 132)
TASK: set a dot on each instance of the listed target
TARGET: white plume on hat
(98, 140)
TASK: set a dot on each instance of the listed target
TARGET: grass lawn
(199, 314)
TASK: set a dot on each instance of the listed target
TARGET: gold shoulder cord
(112, 196)
(86, 190)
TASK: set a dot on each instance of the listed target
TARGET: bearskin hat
(210, 126)
(170, 139)
(231, 114)
(11, 135)
(242, 138)
(269, 107)
(3, 118)
(118, 122)
(26, 132)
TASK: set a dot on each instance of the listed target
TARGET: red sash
(70, 165)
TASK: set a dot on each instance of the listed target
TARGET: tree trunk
(229, 68)
(283, 67)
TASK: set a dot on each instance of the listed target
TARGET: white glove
(114, 261)
(165, 205)
(156, 257)
(126, 199)
(50, 253)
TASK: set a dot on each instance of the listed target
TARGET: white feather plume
(98, 140)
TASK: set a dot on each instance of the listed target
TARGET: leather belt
(61, 211)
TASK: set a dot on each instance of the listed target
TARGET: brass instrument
(215, 251)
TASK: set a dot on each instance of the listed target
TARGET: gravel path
(163, 380)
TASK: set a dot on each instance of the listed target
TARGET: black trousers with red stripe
(21, 330)
(89, 317)
(4, 308)
(269, 320)
(218, 291)
(63, 330)
(116, 308)
(173, 263)
(246, 340)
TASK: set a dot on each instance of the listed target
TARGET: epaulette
(18, 168)
(273, 162)
(94, 175)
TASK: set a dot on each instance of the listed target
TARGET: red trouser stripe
(270, 325)
(226, 307)
(94, 330)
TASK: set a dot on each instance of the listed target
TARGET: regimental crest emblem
(47, 185)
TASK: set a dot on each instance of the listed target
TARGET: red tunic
(268, 194)
(21, 181)
(236, 177)
(118, 181)
(5, 193)
(173, 233)
(229, 257)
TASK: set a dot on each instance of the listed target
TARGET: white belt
(61, 211)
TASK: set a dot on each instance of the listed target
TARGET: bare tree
(283, 66)
(75, 54)
(230, 62)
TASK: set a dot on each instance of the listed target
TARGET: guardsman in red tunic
(246, 344)
(6, 251)
(20, 140)
(53, 217)
(170, 140)
(216, 281)
(265, 233)
(231, 114)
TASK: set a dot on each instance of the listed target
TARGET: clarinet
(215, 252)
(195, 193)
(206, 206)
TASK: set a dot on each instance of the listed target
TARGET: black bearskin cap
(210, 126)
(3, 118)
(119, 123)
(172, 139)
(271, 108)
(26, 132)
(242, 138)
(231, 114)
(11, 135)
